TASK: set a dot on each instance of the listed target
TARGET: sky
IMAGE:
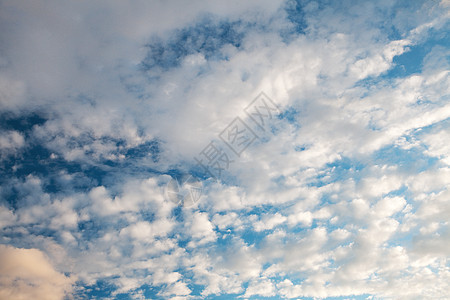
(271, 149)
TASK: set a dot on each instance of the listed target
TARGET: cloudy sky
(224, 149)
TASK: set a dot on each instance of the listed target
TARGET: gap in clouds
(206, 37)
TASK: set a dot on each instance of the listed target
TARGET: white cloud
(269, 222)
(200, 228)
(331, 226)
(264, 288)
(7, 217)
(10, 143)
(388, 206)
(437, 146)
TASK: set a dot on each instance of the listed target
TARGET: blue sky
(224, 150)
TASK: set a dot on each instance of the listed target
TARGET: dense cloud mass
(224, 149)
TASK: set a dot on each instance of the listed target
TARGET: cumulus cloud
(344, 192)
(10, 143)
(28, 274)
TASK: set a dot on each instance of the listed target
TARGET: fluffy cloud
(28, 274)
(344, 193)
(10, 143)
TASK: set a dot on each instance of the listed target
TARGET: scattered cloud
(345, 192)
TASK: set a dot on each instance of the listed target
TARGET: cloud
(28, 274)
(344, 193)
(10, 143)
